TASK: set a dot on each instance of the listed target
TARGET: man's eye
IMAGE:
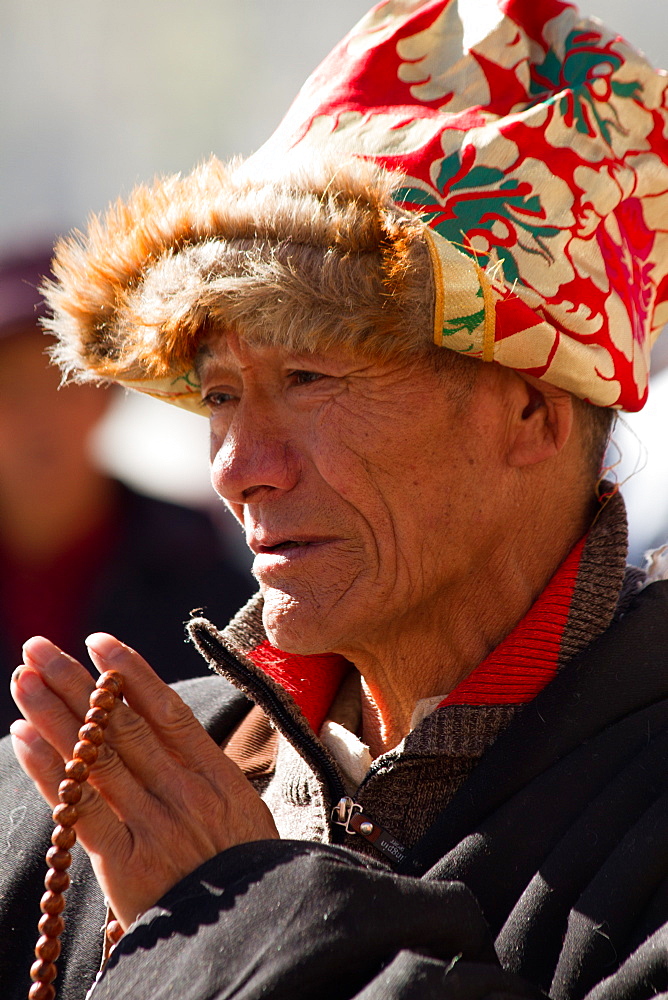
(305, 377)
(216, 399)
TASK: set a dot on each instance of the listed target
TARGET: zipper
(351, 816)
(346, 814)
(314, 755)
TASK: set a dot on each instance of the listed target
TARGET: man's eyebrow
(212, 361)
(201, 359)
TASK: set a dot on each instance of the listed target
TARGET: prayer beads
(58, 858)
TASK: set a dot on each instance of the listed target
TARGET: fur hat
(515, 150)
(296, 260)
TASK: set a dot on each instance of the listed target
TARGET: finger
(45, 710)
(164, 712)
(131, 763)
(133, 770)
(45, 767)
(38, 759)
(62, 673)
(51, 722)
(53, 693)
(97, 824)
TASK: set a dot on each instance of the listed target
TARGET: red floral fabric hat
(534, 145)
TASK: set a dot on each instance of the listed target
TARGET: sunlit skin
(409, 564)
(426, 528)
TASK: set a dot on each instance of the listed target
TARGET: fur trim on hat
(315, 258)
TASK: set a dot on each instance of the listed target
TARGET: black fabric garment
(330, 940)
(553, 852)
(168, 560)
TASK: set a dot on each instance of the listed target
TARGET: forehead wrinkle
(211, 356)
(201, 359)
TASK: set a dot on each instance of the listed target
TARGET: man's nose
(254, 459)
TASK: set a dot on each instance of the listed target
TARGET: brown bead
(92, 733)
(43, 972)
(114, 932)
(102, 699)
(51, 925)
(47, 948)
(41, 991)
(69, 791)
(64, 837)
(56, 881)
(52, 902)
(65, 815)
(58, 859)
(85, 751)
(97, 715)
(112, 681)
(77, 769)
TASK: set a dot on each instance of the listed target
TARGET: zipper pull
(349, 814)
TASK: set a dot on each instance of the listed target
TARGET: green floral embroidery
(460, 323)
(469, 323)
(576, 74)
(189, 379)
(468, 208)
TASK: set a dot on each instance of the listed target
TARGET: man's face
(364, 489)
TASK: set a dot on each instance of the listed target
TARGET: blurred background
(98, 96)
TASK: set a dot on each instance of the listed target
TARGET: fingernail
(22, 730)
(43, 653)
(27, 681)
(105, 646)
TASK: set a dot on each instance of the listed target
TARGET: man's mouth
(272, 543)
(276, 555)
(289, 543)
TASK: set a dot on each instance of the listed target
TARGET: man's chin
(293, 627)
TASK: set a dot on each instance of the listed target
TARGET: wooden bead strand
(58, 858)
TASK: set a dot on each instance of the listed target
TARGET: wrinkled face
(363, 489)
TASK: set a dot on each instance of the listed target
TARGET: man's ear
(542, 424)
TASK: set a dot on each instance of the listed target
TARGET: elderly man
(443, 719)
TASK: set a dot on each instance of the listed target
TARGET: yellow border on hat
(489, 331)
(438, 286)
(466, 279)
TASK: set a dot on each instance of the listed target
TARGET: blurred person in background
(77, 547)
